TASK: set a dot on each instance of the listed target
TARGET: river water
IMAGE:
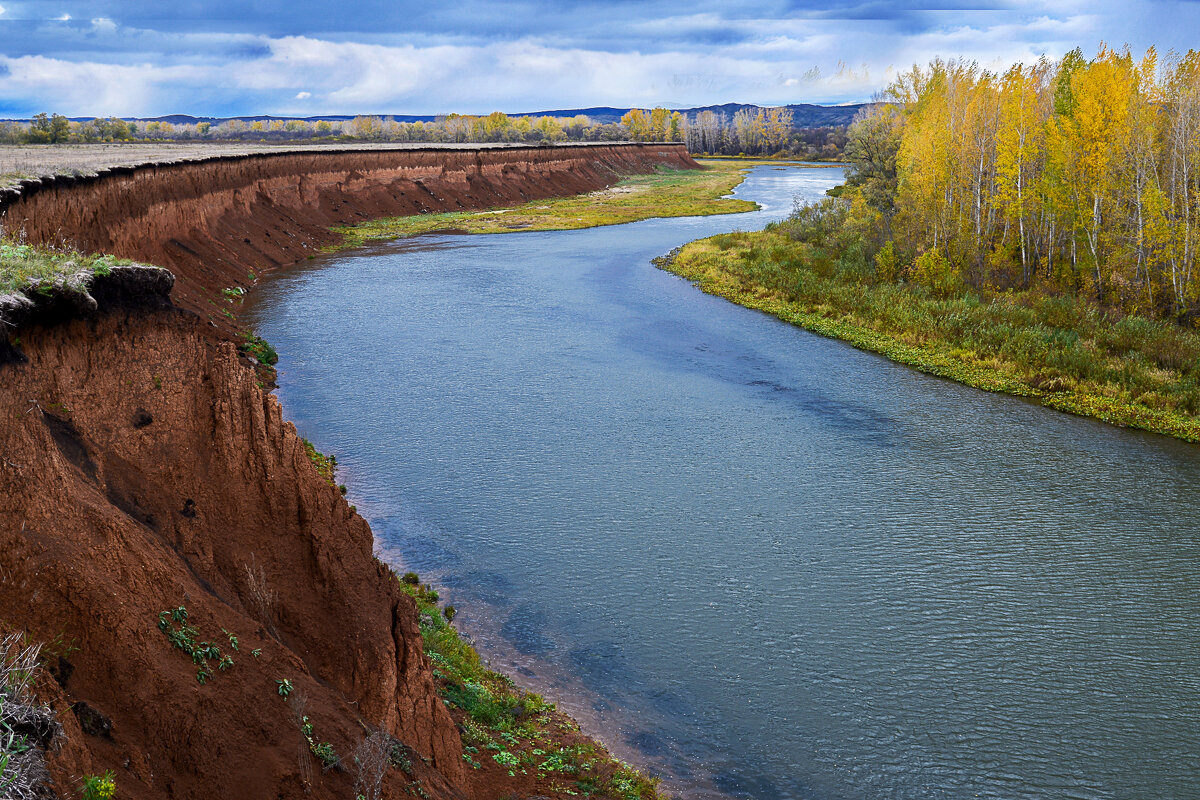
(759, 562)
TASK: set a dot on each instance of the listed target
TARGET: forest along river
(757, 561)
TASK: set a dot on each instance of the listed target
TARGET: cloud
(383, 56)
(90, 88)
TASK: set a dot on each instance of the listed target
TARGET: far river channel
(757, 562)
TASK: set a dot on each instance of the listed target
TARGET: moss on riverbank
(666, 193)
(524, 742)
(1060, 351)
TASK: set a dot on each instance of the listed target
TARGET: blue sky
(228, 57)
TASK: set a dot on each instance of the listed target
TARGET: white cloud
(82, 88)
(63, 18)
(697, 59)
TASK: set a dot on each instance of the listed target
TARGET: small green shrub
(186, 638)
(259, 349)
(99, 787)
(325, 754)
(283, 687)
(936, 273)
(887, 263)
(326, 465)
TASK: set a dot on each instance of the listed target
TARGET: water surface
(762, 563)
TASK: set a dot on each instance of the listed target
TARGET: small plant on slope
(99, 787)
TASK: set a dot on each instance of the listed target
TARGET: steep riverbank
(154, 500)
(218, 222)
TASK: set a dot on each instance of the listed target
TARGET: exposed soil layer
(215, 221)
(144, 467)
(24, 161)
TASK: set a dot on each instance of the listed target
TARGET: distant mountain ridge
(804, 115)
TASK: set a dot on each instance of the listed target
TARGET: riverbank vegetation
(1034, 232)
(510, 731)
(666, 193)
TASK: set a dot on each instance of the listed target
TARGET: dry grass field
(20, 162)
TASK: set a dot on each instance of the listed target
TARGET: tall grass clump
(23, 266)
(26, 728)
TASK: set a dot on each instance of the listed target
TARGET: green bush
(936, 273)
(259, 349)
(887, 263)
(99, 787)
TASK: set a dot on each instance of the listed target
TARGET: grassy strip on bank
(516, 730)
(1062, 351)
(666, 193)
(24, 266)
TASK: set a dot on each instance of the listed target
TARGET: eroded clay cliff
(214, 221)
(145, 468)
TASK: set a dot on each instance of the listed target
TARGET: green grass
(666, 193)
(1060, 351)
(517, 730)
(206, 655)
(326, 465)
(259, 348)
(24, 266)
(13, 178)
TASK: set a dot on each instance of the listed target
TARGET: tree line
(748, 132)
(1078, 175)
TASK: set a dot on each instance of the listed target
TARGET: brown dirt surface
(148, 470)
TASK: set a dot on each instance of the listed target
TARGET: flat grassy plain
(667, 193)
(1063, 352)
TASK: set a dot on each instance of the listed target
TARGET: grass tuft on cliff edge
(666, 193)
(25, 267)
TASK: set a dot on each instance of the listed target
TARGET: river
(759, 562)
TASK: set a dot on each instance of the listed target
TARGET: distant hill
(804, 115)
